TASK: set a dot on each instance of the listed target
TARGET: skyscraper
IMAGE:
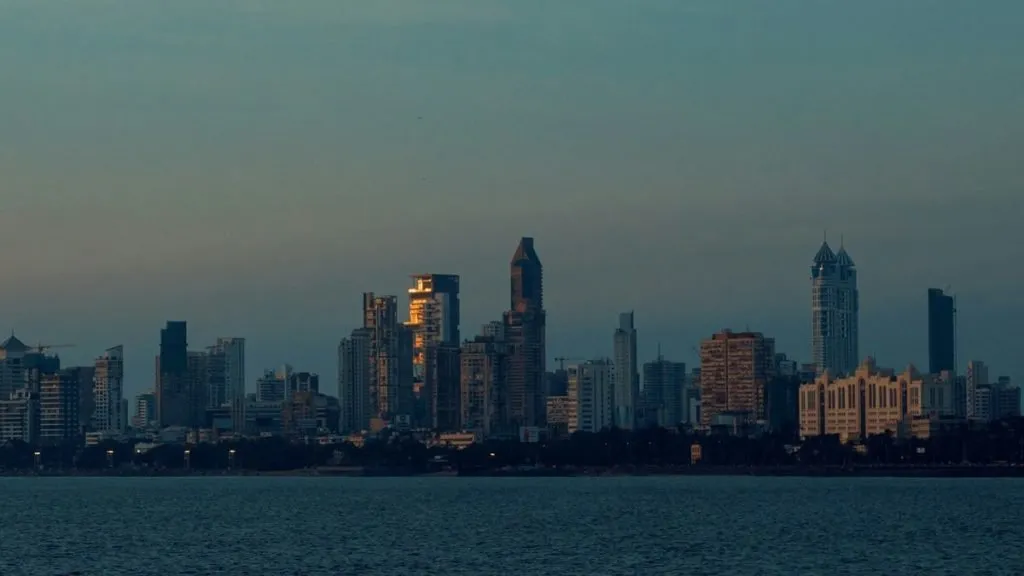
(108, 391)
(483, 364)
(226, 379)
(525, 334)
(172, 382)
(434, 321)
(835, 309)
(391, 354)
(590, 396)
(977, 378)
(354, 381)
(627, 379)
(941, 332)
(735, 368)
(666, 402)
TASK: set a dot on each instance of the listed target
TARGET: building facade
(665, 393)
(391, 360)
(172, 378)
(835, 312)
(434, 321)
(591, 393)
(484, 363)
(941, 332)
(735, 368)
(354, 381)
(108, 392)
(525, 332)
(627, 377)
(872, 401)
(975, 378)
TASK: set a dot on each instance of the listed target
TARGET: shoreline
(953, 471)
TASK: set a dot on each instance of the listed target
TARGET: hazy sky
(252, 166)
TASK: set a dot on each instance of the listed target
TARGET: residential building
(665, 392)
(145, 411)
(390, 395)
(997, 401)
(626, 389)
(58, 407)
(272, 387)
(434, 322)
(560, 411)
(941, 332)
(173, 386)
(19, 417)
(483, 366)
(591, 392)
(976, 378)
(525, 333)
(354, 381)
(835, 310)
(872, 401)
(108, 391)
(735, 367)
(308, 413)
(302, 382)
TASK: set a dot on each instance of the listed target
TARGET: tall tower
(525, 334)
(735, 368)
(835, 309)
(390, 394)
(941, 332)
(173, 390)
(108, 391)
(627, 377)
(434, 321)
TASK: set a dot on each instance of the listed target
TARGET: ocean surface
(511, 526)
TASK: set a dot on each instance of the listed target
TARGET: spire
(824, 255)
(842, 258)
(525, 251)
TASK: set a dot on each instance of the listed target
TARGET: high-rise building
(525, 333)
(145, 410)
(391, 354)
(59, 397)
(434, 321)
(354, 381)
(977, 377)
(19, 417)
(483, 364)
(108, 391)
(666, 402)
(226, 371)
(590, 393)
(627, 378)
(835, 309)
(735, 367)
(272, 387)
(941, 332)
(173, 391)
(302, 382)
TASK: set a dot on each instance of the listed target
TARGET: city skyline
(221, 171)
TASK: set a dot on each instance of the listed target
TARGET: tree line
(999, 442)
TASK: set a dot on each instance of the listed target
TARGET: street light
(110, 458)
(231, 458)
(37, 458)
(188, 459)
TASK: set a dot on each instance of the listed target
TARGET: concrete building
(145, 411)
(225, 378)
(735, 368)
(272, 387)
(307, 413)
(391, 360)
(626, 389)
(108, 392)
(835, 312)
(302, 382)
(872, 401)
(19, 417)
(354, 381)
(665, 393)
(560, 411)
(976, 378)
(997, 401)
(591, 392)
(484, 362)
(941, 332)
(434, 322)
(525, 331)
(173, 391)
(59, 407)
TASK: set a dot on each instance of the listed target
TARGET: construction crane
(44, 348)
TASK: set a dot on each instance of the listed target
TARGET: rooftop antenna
(840, 241)
(824, 235)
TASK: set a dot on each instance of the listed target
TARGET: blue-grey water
(510, 526)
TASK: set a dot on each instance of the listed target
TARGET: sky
(253, 166)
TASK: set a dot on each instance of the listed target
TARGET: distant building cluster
(415, 372)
